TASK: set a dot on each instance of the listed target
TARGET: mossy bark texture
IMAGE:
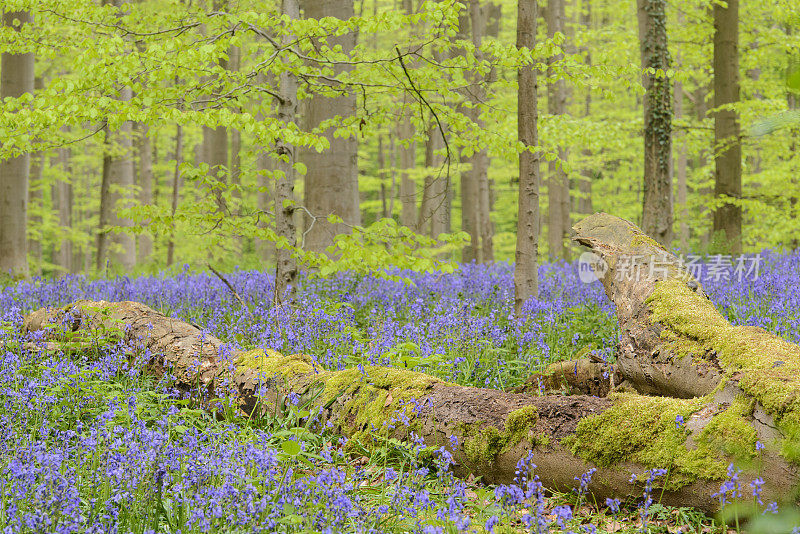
(738, 393)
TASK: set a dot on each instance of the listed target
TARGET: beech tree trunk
(657, 205)
(215, 154)
(408, 157)
(584, 204)
(557, 184)
(526, 276)
(265, 167)
(435, 208)
(707, 193)
(64, 197)
(721, 389)
(286, 264)
(480, 160)
(727, 146)
(116, 191)
(681, 172)
(145, 152)
(331, 182)
(16, 79)
(234, 61)
(176, 184)
(35, 209)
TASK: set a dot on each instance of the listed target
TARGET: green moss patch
(766, 366)
(270, 363)
(687, 314)
(730, 433)
(482, 443)
(643, 430)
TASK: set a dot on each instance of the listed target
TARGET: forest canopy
(417, 99)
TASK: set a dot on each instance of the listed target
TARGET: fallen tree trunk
(489, 431)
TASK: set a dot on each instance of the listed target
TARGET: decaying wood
(724, 407)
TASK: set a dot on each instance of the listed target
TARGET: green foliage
(381, 247)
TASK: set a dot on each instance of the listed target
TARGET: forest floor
(94, 445)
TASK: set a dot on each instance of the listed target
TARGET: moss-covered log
(750, 399)
(673, 341)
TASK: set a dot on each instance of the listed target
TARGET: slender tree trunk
(145, 152)
(36, 201)
(657, 205)
(393, 174)
(480, 160)
(681, 171)
(265, 195)
(115, 192)
(382, 175)
(437, 183)
(235, 166)
(265, 168)
(793, 103)
(104, 217)
(727, 146)
(35, 208)
(65, 197)
(286, 264)
(214, 151)
(408, 156)
(526, 278)
(122, 176)
(176, 184)
(584, 204)
(331, 182)
(706, 192)
(16, 79)
(557, 184)
(470, 191)
(215, 154)
(408, 159)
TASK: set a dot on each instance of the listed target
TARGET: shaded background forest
(171, 112)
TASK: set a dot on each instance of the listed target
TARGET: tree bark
(470, 189)
(741, 385)
(557, 184)
(681, 172)
(526, 277)
(286, 264)
(116, 191)
(176, 184)
(215, 154)
(63, 255)
(145, 152)
(16, 79)
(706, 193)
(331, 181)
(265, 168)
(480, 160)
(408, 157)
(727, 145)
(584, 204)
(35, 210)
(435, 208)
(234, 61)
(657, 205)
(382, 174)
(214, 150)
